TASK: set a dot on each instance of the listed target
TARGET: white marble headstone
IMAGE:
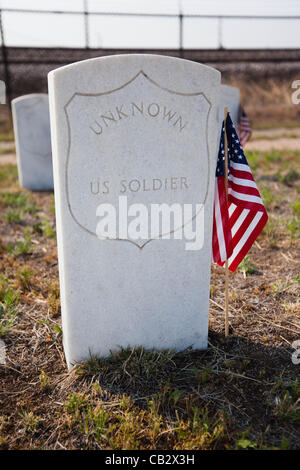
(33, 142)
(145, 127)
(230, 98)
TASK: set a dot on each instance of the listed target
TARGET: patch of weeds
(281, 286)
(95, 422)
(287, 408)
(16, 200)
(253, 159)
(296, 279)
(243, 444)
(296, 207)
(31, 209)
(37, 227)
(167, 398)
(8, 136)
(286, 395)
(203, 376)
(52, 207)
(30, 421)
(8, 175)
(4, 286)
(18, 204)
(247, 267)
(293, 227)
(8, 304)
(272, 156)
(13, 216)
(290, 177)
(23, 245)
(54, 330)
(202, 431)
(292, 307)
(44, 380)
(269, 199)
(54, 298)
(131, 368)
(24, 278)
(4, 425)
(47, 230)
(6, 150)
(271, 230)
(76, 404)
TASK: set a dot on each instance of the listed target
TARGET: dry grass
(268, 102)
(243, 392)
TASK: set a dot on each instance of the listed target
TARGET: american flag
(239, 220)
(244, 130)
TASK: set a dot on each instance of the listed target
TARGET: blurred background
(256, 45)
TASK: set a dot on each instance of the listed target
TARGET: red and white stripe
(244, 130)
(222, 242)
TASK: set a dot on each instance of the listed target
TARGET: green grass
(48, 230)
(272, 230)
(5, 150)
(273, 156)
(247, 267)
(23, 245)
(253, 158)
(8, 302)
(8, 136)
(288, 178)
(13, 216)
(24, 277)
(293, 226)
(296, 207)
(15, 200)
(8, 176)
(270, 200)
(127, 365)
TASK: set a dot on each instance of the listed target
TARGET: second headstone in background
(230, 98)
(33, 142)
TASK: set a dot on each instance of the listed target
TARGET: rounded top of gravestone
(229, 90)
(114, 68)
(133, 57)
(31, 96)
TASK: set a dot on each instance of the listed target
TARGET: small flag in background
(244, 130)
(238, 222)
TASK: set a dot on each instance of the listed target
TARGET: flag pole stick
(226, 190)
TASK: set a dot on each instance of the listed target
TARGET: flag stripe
(245, 197)
(244, 189)
(234, 262)
(220, 233)
(239, 222)
(242, 181)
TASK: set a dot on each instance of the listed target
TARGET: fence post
(181, 33)
(86, 24)
(220, 32)
(5, 62)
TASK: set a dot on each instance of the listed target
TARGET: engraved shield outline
(147, 77)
